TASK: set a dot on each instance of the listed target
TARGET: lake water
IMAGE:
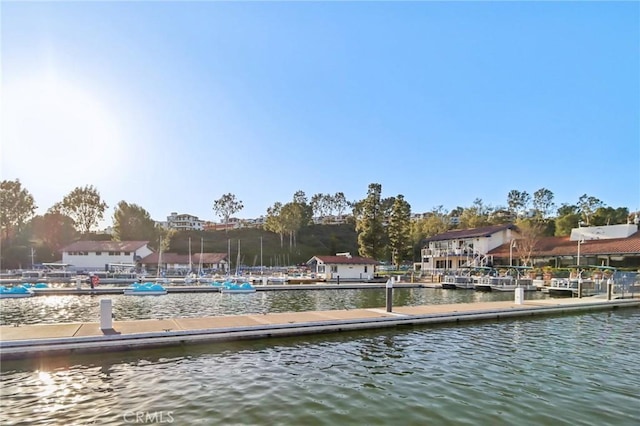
(53, 309)
(560, 370)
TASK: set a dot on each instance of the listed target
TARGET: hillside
(312, 240)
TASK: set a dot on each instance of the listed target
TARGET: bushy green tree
(133, 223)
(274, 222)
(370, 219)
(17, 206)
(610, 216)
(399, 230)
(84, 206)
(54, 230)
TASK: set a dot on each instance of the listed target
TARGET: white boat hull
(15, 295)
(240, 291)
(144, 293)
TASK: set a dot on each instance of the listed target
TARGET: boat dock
(203, 288)
(19, 342)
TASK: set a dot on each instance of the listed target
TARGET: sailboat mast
(190, 263)
(238, 260)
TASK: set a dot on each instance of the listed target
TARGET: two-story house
(462, 248)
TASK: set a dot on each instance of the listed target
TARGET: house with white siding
(462, 248)
(343, 266)
(98, 255)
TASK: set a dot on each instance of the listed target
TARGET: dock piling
(389, 288)
(106, 314)
(519, 298)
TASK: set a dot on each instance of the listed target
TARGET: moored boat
(145, 289)
(237, 287)
(15, 292)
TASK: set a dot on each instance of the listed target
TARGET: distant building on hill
(183, 222)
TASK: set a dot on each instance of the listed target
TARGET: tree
(16, 206)
(399, 230)
(274, 222)
(320, 205)
(305, 209)
(291, 218)
(518, 201)
(226, 206)
(84, 206)
(530, 230)
(370, 223)
(55, 230)
(543, 202)
(435, 222)
(475, 216)
(340, 203)
(587, 205)
(132, 222)
(568, 218)
(610, 216)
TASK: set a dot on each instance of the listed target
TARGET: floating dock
(19, 342)
(101, 290)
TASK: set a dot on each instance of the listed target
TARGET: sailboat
(237, 284)
(190, 277)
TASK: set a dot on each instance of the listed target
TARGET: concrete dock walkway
(17, 342)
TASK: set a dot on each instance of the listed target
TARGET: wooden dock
(17, 342)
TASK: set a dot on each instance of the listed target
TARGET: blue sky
(170, 105)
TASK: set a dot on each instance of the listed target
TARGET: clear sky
(170, 105)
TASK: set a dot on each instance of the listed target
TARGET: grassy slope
(313, 240)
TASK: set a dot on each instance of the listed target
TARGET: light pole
(511, 246)
(580, 241)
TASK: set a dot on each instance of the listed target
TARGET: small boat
(15, 292)
(237, 287)
(458, 282)
(145, 289)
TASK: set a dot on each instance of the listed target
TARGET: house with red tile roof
(97, 255)
(343, 267)
(181, 262)
(614, 245)
(463, 248)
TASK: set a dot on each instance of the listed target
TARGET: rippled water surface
(55, 309)
(560, 370)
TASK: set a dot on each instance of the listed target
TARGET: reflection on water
(569, 370)
(55, 309)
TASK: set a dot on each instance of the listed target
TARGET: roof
(105, 246)
(183, 259)
(563, 246)
(457, 234)
(345, 260)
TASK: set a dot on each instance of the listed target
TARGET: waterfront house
(99, 255)
(342, 266)
(462, 248)
(613, 245)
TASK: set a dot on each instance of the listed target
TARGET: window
(98, 253)
(334, 268)
(126, 253)
(365, 269)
